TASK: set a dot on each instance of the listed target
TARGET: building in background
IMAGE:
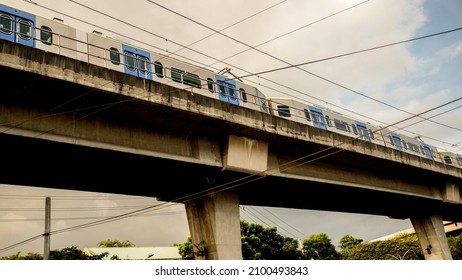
(136, 253)
(451, 229)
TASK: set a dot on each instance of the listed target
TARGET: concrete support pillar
(432, 237)
(214, 224)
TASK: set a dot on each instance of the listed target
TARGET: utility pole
(46, 249)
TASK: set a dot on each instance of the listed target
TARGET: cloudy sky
(413, 65)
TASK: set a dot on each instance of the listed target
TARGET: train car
(53, 35)
(327, 119)
(342, 124)
(297, 111)
(42, 33)
(324, 118)
(105, 51)
(114, 54)
(57, 37)
(411, 145)
(451, 158)
(17, 26)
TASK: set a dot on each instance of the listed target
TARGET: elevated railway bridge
(68, 124)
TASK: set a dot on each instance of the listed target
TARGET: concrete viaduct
(67, 124)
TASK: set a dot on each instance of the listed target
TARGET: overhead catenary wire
(55, 219)
(295, 30)
(302, 234)
(225, 28)
(286, 228)
(297, 66)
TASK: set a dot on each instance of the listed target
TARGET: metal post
(46, 250)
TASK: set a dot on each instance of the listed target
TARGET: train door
(427, 151)
(227, 90)
(317, 116)
(363, 132)
(137, 62)
(396, 140)
(17, 26)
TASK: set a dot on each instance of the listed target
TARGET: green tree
(258, 243)
(73, 253)
(346, 243)
(455, 246)
(186, 249)
(319, 247)
(109, 243)
(402, 247)
(29, 256)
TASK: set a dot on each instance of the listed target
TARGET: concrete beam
(214, 224)
(246, 155)
(451, 193)
(432, 237)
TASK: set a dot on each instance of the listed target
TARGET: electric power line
(297, 66)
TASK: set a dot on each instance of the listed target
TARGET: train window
(264, 107)
(318, 118)
(114, 55)
(143, 64)
(243, 94)
(447, 160)
(232, 93)
(25, 29)
(459, 159)
(46, 35)
(362, 130)
(413, 147)
(284, 111)
(396, 141)
(355, 130)
(341, 125)
(6, 24)
(307, 115)
(159, 69)
(371, 133)
(191, 79)
(210, 84)
(177, 75)
(187, 78)
(131, 61)
(329, 122)
(391, 140)
(221, 89)
(427, 152)
(405, 144)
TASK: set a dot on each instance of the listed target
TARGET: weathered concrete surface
(214, 226)
(246, 155)
(432, 237)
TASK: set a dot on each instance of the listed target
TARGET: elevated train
(53, 35)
